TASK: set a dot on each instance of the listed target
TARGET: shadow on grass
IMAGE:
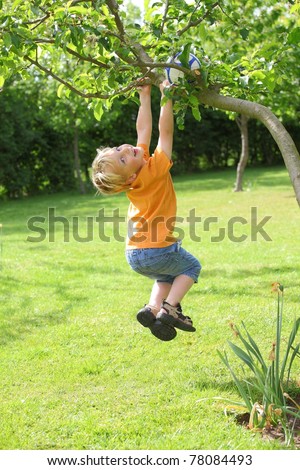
(18, 328)
(16, 214)
(223, 387)
(21, 317)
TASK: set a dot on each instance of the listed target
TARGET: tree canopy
(93, 49)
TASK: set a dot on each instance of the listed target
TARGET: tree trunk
(242, 123)
(257, 111)
(77, 162)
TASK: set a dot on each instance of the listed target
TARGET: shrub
(266, 393)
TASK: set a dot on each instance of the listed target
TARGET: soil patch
(276, 432)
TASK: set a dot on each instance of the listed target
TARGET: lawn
(79, 372)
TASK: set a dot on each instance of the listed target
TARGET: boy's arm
(166, 125)
(144, 118)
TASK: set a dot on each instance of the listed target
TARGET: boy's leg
(179, 288)
(160, 292)
(170, 312)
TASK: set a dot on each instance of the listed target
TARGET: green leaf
(156, 32)
(80, 10)
(60, 90)
(67, 92)
(244, 33)
(252, 347)
(2, 80)
(7, 39)
(242, 355)
(15, 41)
(294, 36)
(193, 100)
(238, 383)
(16, 4)
(135, 99)
(202, 32)
(269, 82)
(293, 356)
(196, 113)
(98, 111)
(184, 56)
(295, 7)
(180, 122)
(292, 337)
(259, 74)
(106, 44)
(59, 13)
(164, 101)
(105, 10)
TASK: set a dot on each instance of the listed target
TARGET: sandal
(160, 330)
(173, 316)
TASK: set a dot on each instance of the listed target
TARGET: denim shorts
(164, 264)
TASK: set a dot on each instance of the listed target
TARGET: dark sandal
(160, 330)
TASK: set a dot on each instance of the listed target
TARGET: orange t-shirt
(152, 209)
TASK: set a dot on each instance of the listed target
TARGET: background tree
(115, 53)
(242, 122)
(33, 155)
(266, 27)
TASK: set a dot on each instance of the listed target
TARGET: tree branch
(165, 16)
(226, 14)
(238, 121)
(283, 139)
(136, 48)
(192, 24)
(81, 1)
(75, 53)
(114, 9)
(64, 82)
(38, 21)
(120, 91)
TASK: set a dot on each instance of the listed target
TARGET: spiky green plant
(265, 394)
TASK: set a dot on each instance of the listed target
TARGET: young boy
(151, 248)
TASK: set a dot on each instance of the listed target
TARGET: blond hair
(103, 176)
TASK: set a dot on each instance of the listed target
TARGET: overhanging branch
(283, 139)
(75, 54)
(64, 82)
(98, 95)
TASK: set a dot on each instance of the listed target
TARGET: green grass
(79, 372)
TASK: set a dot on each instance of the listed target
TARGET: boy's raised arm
(144, 118)
(166, 125)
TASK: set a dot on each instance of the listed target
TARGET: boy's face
(127, 160)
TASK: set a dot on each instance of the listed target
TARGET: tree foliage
(33, 156)
(91, 48)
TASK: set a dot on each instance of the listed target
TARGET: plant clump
(271, 395)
